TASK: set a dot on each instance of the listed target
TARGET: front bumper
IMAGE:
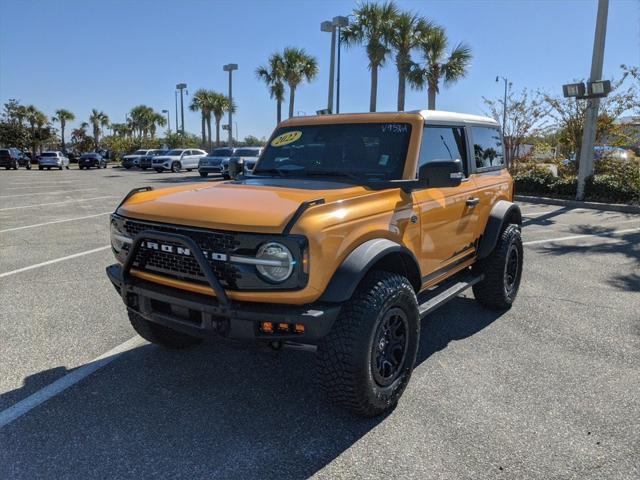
(205, 317)
(209, 169)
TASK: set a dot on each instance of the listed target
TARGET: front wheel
(176, 167)
(161, 335)
(502, 271)
(366, 360)
(204, 174)
(28, 167)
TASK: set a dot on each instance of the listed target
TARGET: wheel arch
(502, 213)
(376, 254)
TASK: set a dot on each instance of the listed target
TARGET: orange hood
(249, 206)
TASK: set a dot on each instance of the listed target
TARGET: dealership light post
(330, 27)
(595, 89)
(230, 67)
(168, 120)
(340, 23)
(181, 87)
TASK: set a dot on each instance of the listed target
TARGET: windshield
(49, 154)
(362, 150)
(221, 152)
(246, 152)
(139, 152)
(172, 153)
(155, 153)
(89, 155)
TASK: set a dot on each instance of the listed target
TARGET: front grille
(185, 267)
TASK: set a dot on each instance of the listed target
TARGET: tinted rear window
(222, 152)
(49, 154)
(487, 147)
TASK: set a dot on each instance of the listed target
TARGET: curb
(609, 207)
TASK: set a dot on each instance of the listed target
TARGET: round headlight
(276, 262)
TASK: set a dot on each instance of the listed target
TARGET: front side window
(444, 143)
(487, 147)
(376, 151)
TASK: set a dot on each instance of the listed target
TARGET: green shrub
(565, 187)
(611, 188)
(536, 180)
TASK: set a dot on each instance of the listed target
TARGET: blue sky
(115, 54)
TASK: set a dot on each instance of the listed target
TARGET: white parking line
(55, 260)
(55, 192)
(53, 222)
(57, 203)
(576, 237)
(43, 186)
(32, 401)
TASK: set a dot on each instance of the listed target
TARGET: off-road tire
(161, 335)
(204, 174)
(176, 167)
(499, 288)
(346, 355)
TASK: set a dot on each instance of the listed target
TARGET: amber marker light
(266, 327)
(305, 261)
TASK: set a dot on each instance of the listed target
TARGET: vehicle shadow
(217, 411)
(627, 245)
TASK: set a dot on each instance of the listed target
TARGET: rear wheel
(39, 167)
(502, 271)
(161, 335)
(176, 167)
(226, 176)
(204, 174)
(28, 166)
(366, 360)
(80, 167)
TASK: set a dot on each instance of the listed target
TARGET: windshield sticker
(395, 128)
(286, 138)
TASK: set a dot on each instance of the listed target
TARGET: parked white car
(178, 159)
(133, 159)
(53, 159)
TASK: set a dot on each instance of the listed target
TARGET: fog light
(298, 328)
(283, 327)
(266, 327)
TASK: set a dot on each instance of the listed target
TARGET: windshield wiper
(329, 173)
(277, 171)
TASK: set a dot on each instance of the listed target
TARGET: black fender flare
(356, 265)
(501, 213)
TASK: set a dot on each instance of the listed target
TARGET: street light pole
(175, 94)
(504, 103)
(230, 67)
(339, 22)
(329, 27)
(168, 120)
(181, 87)
(585, 167)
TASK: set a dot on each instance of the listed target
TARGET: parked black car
(14, 158)
(88, 160)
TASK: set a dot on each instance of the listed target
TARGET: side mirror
(236, 167)
(441, 174)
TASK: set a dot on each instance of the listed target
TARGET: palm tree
(198, 101)
(273, 76)
(451, 69)
(63, 116)
(372, 26)
(408, 30)
(97, 120)
(216, 104)
(36, 120)
(298, 66)
(156, 119)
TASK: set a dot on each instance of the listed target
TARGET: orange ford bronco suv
(349, 230)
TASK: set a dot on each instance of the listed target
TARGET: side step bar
(432, 299)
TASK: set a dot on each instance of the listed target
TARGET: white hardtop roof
(442, 116)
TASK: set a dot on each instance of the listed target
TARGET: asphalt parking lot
(549, 389)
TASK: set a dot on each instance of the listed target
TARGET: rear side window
(444, 143)
(487, 147)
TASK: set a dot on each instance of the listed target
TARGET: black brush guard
(206, 316)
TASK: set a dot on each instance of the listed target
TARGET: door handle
(472, 202)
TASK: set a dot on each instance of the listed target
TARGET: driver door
(447, 215)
